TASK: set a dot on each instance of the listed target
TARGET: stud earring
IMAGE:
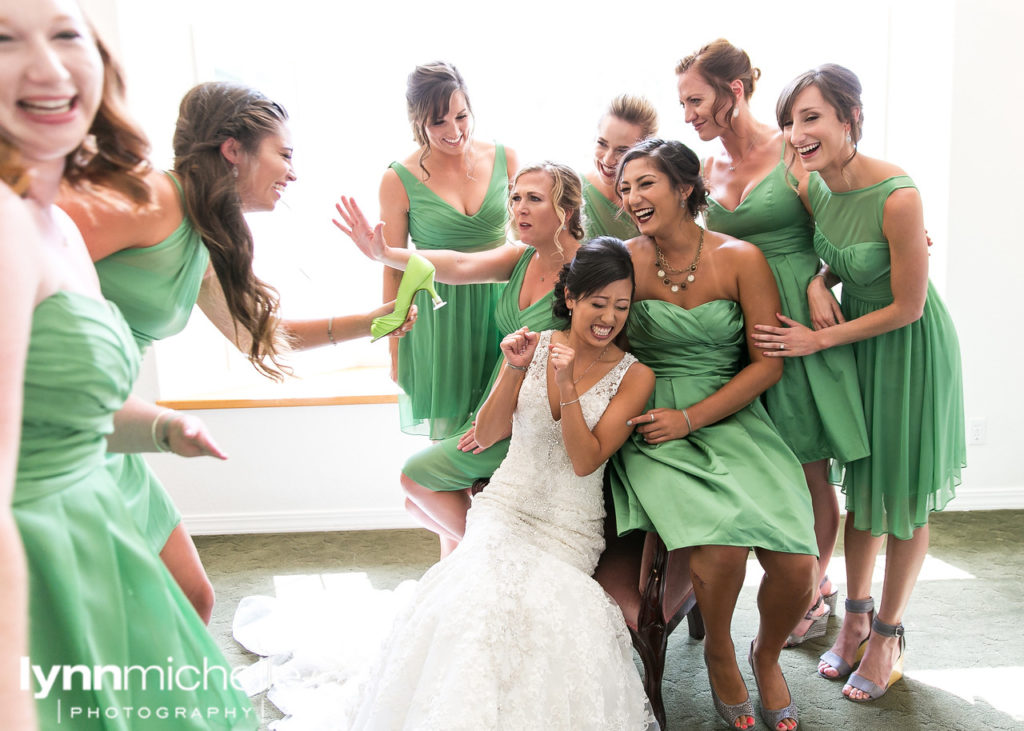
(735, 112)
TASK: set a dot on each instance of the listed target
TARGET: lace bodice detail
(536, 485)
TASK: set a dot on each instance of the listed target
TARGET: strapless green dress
(98, 596)
(602, 217)
(732, 483)
(816, 405)
(910, 378)
(442, 466)
(155, 288)
(445, 361)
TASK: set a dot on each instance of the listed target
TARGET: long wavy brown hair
(210, 114)
(114, 155)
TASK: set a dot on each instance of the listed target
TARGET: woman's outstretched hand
(387, 308)
(369, 240)
(187, 436)
(518, 347)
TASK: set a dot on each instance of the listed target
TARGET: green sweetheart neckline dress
(731, 483)
(910, 378)
(816, 405)
(442, 466)
(155, 287)
(445, 361)
(98, 596)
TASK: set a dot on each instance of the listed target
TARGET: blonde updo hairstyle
(636, 110)
(566, 195)
(720, 63)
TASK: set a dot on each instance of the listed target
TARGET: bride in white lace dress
(510, 631)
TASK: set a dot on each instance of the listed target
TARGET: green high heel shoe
(419, 274)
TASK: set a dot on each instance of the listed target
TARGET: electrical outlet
(977, 430)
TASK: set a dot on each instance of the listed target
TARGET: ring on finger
(782, 346)
(652, 418)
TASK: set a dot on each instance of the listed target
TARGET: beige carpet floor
(965, 653)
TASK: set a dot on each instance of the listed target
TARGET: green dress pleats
(98, 596)
(445, 361)
(602, 217)
(732, 483)
(910, 378)
(816, 406)
(155, 288)
(442, 466)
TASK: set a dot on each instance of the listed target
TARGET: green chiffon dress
(602, 217)
(155, 287)
(731, 483)
(910, 378)
(816, 406)
(442, 466)
(98, 596)
(445, 361)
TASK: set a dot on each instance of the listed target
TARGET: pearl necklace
(664, 268)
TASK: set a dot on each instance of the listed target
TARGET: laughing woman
(753, 196)
(545, 209)
(450, 193)
(188, 243)
(869, 231)
(81, 588)
(628, 120)
(706, 467)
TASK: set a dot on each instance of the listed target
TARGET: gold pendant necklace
(664, 268)
(592, 363)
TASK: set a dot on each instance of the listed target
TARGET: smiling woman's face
(51, 77)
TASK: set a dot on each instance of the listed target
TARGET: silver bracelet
(330, 330)
(517, 368)
(160, 445)
(567, 403)
(689, 426)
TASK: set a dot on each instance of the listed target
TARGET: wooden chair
(653, 589)
(652, 586)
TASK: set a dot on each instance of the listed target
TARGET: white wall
(949, 112)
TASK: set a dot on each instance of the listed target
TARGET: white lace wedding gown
(510, 631)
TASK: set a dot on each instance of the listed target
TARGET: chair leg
(695, 620)
(651, 636)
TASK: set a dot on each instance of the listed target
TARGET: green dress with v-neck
(98, 597)
(602, 217)
(155, 287)
(731, 483)
(910, 378)
(445, 361)
(816, 405)
(442, 466)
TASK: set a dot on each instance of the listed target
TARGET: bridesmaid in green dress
(450, 193)
(706, 467)
(191, 245)
(869, 231)
(628, 120)
(816, 406)
(81, 588)
(545, 208)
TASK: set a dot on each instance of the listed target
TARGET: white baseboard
(297, 522)
(987, 498)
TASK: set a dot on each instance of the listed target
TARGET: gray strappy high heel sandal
(874, 690)
(853, 606)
